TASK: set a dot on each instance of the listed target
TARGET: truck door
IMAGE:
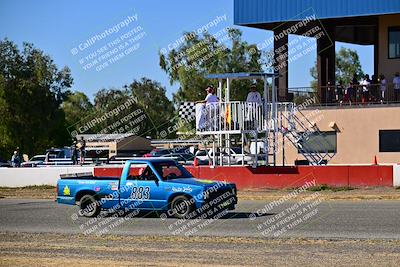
(142, 186)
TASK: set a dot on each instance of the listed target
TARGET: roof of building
(103, 137)
(272, 11)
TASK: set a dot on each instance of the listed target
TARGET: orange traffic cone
(195, 162)
(375, 162)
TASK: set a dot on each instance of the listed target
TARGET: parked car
(186, 158)
(236, 156)
(157, 152)
(5, 163)
(122, 158)
(156, 184)
(34, 161)
(180, 150)
(58, 156)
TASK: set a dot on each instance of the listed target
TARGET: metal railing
(235, 117)
(229, 116)
(346, 95)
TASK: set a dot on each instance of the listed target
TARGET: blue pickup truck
(158, 184)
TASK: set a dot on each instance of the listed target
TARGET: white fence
(229, 116)
(17, 177)
(236, 116)
(396, 175)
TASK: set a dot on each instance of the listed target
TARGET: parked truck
(152, 184)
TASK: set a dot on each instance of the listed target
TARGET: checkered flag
(187, 110)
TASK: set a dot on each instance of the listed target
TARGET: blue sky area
(57, 27)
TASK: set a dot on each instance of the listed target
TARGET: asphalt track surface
(320, 220)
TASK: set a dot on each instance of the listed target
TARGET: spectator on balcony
(396, 86)
(348, 93)
(330, 92)
(356, 88)
(208, 116)
(253, 96)
(383, 83)
(374, 89)
(365, 83)
(211, 98)
(339, 92)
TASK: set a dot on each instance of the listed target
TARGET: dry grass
(24, 249)
(36, 192)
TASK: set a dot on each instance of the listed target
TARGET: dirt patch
(24, 249)
(27, 192)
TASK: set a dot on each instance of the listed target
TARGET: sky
(64, 29)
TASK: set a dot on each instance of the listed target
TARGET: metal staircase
(306, 137)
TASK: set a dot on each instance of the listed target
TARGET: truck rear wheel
(89, 206)
(181, 207)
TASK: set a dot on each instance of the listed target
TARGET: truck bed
(87, 176)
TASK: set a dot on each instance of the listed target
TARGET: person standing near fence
(356, 92)
(365, 88)
(330, 92)
(374, 89)
(82, 150)
(253, 96)
(15, 159)
(396, 87)
(207, 114)
(339, 92)
(383, 84)
(348, 93)
(74, 154)
(253, 101)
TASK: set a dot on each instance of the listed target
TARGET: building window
(389, 140)
(323, 142)
(394, 42)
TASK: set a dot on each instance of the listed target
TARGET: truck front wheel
(181, 207)
(89, 206)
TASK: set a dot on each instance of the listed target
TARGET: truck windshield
(171, 170)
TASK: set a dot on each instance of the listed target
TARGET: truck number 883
(140, 192)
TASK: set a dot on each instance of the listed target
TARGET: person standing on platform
(208, 115)
(253, 101)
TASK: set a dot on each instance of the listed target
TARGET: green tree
(202, 54)
(347, 63)
(106, 99)
(146, 98)
(32, 89)
(76, 107)
(151, 98)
